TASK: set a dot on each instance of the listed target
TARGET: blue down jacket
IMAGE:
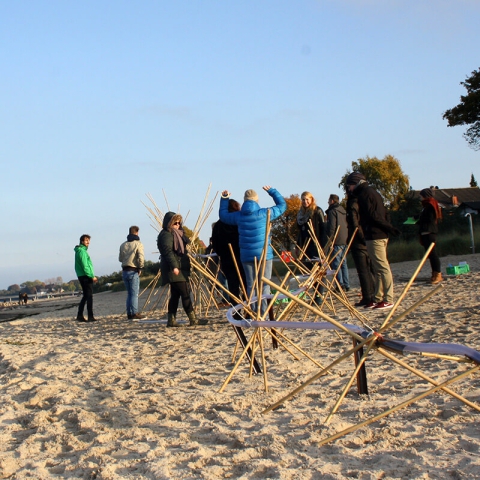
(252, 222)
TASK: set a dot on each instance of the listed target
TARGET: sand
(119, 399)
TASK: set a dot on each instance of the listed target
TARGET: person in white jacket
(132, 258)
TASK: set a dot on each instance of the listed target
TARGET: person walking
(376, 228)
(337, 218)
(359, 252)
(86, 277)
(428, 228)
(175, 268)
(132, 258)
(252, 226)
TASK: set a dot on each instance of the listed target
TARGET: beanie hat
(355, 177)
(250, 195)
(426, 193)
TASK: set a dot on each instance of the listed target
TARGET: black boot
(194, 320)
(80, 318)
(171, 321)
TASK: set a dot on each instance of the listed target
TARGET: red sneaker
(370, 305)
(383, 306)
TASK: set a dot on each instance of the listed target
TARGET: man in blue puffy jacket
(252, 225)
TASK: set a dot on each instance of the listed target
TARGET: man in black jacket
(337, 218)
(376, 227)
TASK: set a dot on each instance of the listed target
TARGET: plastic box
(458, 269)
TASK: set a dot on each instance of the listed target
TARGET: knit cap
(250, 195)
(354, 178)
(426, 193)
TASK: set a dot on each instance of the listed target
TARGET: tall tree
(284, 228)
(473, 182)
(467, 112)
(385, 175)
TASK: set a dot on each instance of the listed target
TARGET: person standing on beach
(310, 240)
(175, 268)
(337, 219)
(359, 252)
(428, 228)
(132, 259)
(86, 277)
(376, 228)
(252, 226)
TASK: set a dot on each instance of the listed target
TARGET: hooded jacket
(170, 259)
(252, 223)
(83, 263)
(337, 217)
(373, 214)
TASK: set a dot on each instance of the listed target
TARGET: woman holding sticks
(175, 268)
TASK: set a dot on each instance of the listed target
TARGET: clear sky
(104, 101)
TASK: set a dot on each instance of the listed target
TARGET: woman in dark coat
(428, 229)
(175, 268)
(222, 236)
(309, 211)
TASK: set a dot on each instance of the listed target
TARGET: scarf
(132, 238)
(303, 216)
(431, 201)
(179, 241)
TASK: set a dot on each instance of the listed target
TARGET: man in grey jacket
(132, 258)
(337, 217)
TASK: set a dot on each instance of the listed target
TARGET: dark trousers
(180, 290)
(426, 240)
(87, 288)
(233, 280)
(364, 269)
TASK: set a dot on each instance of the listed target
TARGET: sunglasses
(177, 223)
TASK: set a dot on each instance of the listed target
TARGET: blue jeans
(342, 275)
(249, 269)
(132, 282)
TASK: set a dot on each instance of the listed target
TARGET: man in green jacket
(86, 277)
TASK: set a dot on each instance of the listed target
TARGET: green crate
(458, 269)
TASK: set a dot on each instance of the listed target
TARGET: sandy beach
(119, 399)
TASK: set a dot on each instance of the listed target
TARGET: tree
(385, 175)
(467, 112)
(473, 182)
(284, 228)
(14, 288)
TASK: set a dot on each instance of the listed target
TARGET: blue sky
(105, 101)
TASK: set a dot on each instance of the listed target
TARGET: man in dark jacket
(359, 252)
(376, 228)
(337, 218)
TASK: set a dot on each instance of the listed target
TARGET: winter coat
(353, 222)
(170, 259)
(374, 217)
(427, 220)
(337, 217)
(83, 263)
(222, 235)
(252, 223)
(318, 224)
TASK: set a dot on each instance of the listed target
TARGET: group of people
(238, 238)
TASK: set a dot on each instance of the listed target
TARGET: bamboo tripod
(370, 343)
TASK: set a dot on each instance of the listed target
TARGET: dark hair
(133, 230)
(354, 178)
(233, 205)
(83, 237)
(334, 198)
